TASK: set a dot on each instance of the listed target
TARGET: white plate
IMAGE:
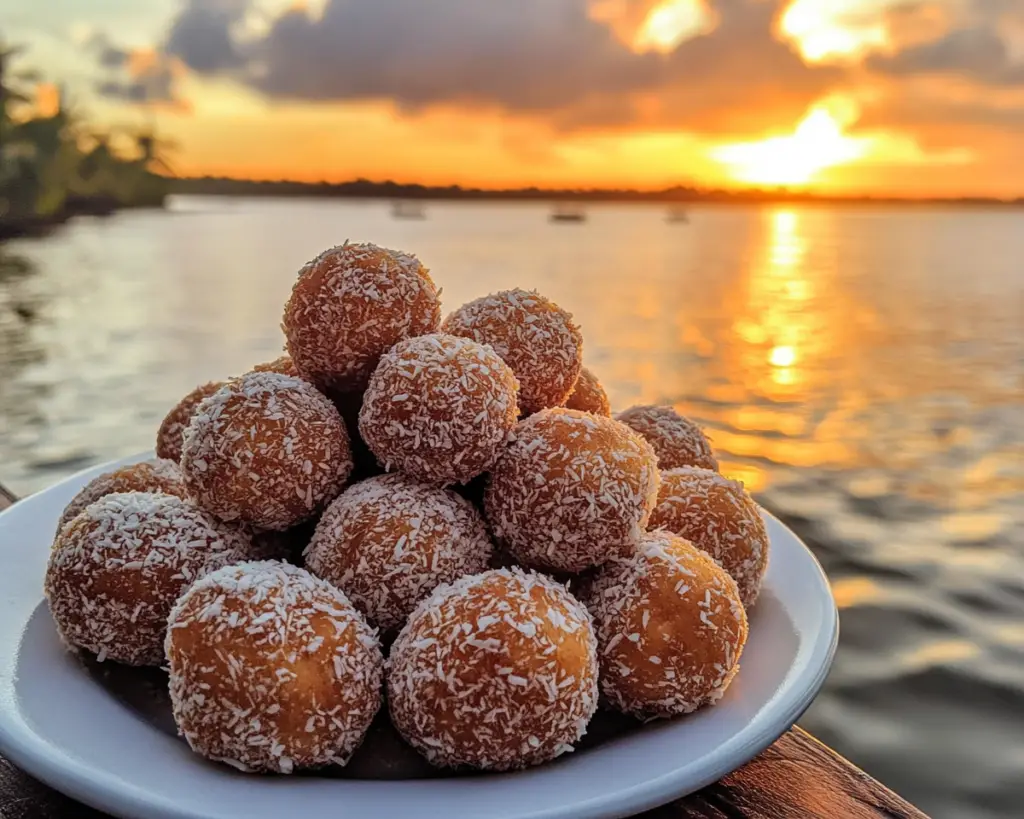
(59, 724)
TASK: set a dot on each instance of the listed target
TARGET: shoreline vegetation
(54, 165)
(678, 194)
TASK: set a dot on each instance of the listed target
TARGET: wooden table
(796, 778)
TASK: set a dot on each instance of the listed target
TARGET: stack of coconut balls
(302, 513)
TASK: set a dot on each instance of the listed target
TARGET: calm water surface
(862, 370)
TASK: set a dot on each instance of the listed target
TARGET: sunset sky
(906, 97)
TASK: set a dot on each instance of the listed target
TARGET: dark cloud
(545, 56)
(980, 54)
(201, 35)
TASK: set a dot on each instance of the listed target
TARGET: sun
(818, 142)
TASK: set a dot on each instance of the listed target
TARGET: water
(862, 370)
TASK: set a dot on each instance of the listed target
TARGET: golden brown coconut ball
(572, 490)
(589, 395)
(266, 450)
(169, 437)
(670, 628)
(533, 335)
(497, 670)
(154, 475)
(717, 515)
(272, 669)
(117, 568)
(678, 441)
(350, 305)
(282, 364)
(389, 541)
(439, 408)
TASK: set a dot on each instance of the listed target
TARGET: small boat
(677, 216)
(568, 213)
(407, 209)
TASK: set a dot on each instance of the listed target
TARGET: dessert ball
(717, 515)
(169, 437)
(439, 408)
(350, 305)
(154, 475)
(572, 490)
(266, 450)
(272, 669)
(678, 441)
(282, 364)
(497, 670)
(389, 541)
(670, 628)
(589, 395)
(533, 335)
(117, 568)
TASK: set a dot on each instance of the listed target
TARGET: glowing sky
(909, 97)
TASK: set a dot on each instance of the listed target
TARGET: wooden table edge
(798, 777)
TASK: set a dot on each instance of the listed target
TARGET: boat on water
(568, 213)
(408, 209)
(677, 216)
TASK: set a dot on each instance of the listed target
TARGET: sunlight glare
(671, 22)
(825, 31)
(818, 142)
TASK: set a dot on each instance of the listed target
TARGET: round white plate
(63, 727)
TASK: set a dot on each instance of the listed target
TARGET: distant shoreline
(364, 188)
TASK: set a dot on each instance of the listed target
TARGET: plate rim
(57, 768)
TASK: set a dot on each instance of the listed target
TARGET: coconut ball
(717, 515)
(496, 670)
(572, 490)
(678, 441)
(533, 335)
(169, 437)
(266, 450)
(350, 305)
(154, 475)
(272, 669)
(439, 408)
(117, 568)
(670, 628)
(282, 364)
(589, 395)
(389, 541)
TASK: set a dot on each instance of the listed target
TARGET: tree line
(54, 164)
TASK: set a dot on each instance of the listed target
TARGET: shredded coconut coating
(496, 670)
(154, 475)
(349, 306)
(272, 669)
(670, 628)
(533, 335)
(170, 436)
(572, 490)
(439, 408)
(389, 541)
(282, 364)
(678, 441)
(117, 568)
(266, 450)
(589, 395)
(717, 515)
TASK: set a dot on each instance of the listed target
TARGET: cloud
(139, 76)
(201, 35)
(977, 45)
(543, 57)
(980, 54)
